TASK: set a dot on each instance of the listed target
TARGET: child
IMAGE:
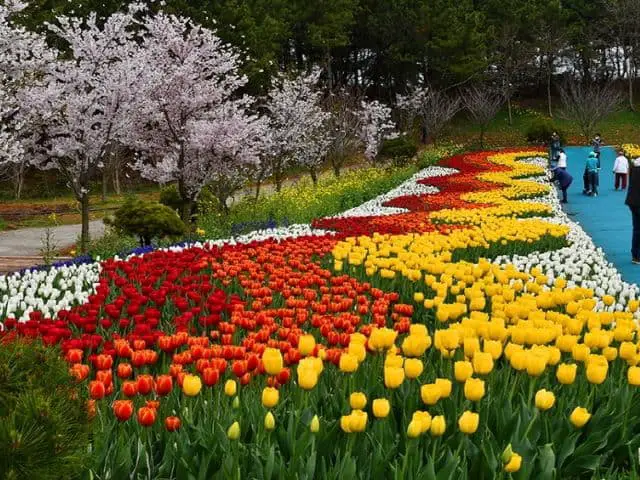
(621, 170)
(562, 159)
(564, 179)
(591, 175)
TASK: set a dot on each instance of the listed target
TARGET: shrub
(44, 426)
(399, 150)
(147, 220)
(111, 243)
(540, 131)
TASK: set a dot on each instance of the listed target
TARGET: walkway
(27, 242)
(605, 218)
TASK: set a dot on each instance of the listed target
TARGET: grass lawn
(621, 127)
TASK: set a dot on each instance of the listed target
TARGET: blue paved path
(605, 218)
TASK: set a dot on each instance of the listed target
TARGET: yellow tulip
(345, 423)
(233, 433)
(306, 345)
(413, 367)
(358, 421)
(381, 407)
(348, 363)
(414, 430)
(430, 393)
(544, 399)
(514, 463)
(307, 377)
(445, 385)
(566, 373)
(393, 377)
(468, 422)
(633, 376)
(482, 363)
(423, 419)
(269, 421)
(273, 361)
(438, 425)
(191, 385)
(230, 388)
(270, 397)
(579, 417)
(474, 389)
(314, 426)
(596, 374)
(357, 350)
(462, 370)
(536, 364)
(358, 400)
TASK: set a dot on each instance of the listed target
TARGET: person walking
(555, 147)
(596, 144)
(591, 175)
(621, 170)
(564, 179)
(633, 202)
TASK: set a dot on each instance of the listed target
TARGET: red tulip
(164, 384)
(97, 389)
(74, 355)
(146, 416)
(130, 388)
(155, 404)
(105, 376)
(80, 371)
(145, 384)
(103, 362)
(124, 370)
(123, 409)
(172, 423)
(210, 376)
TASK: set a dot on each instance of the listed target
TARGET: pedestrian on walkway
(564, 179)
(591, 175)
(555, 147)
(596, 143)
(633, 202)
(621, 170)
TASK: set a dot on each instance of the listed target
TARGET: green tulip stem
(533, 419)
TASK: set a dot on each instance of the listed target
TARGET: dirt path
(27, 242)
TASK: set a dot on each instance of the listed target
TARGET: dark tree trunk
(84, 235)
(549, 75)
(258, 185)
(314, 176)
(104, 185)
(278, 179)
(116, 179)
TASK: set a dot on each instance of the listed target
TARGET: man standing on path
(633, 202)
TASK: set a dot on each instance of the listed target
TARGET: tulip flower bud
(506, 454)
(230, 388)
(236, 403)
(269, 421)
(233, 433)
(314, 427)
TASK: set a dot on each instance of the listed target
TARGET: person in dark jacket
(564, 179)
(633, 202)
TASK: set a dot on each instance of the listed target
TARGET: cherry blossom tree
(82, 105)
(344, 125)
(23, 56)
(298, 125)
(189, 120)
(375, 128)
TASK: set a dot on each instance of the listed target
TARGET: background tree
(483, 104)
(434, 109)
(624, 28)
(376, 127)
(343, 126)
(296, 124)
(588, 105)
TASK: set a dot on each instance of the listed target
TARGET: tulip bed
(460, 326)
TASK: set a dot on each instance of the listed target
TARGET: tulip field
(460, 326)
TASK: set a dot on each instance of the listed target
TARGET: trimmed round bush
(147, 220)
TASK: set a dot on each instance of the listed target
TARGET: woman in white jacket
(621, 170)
